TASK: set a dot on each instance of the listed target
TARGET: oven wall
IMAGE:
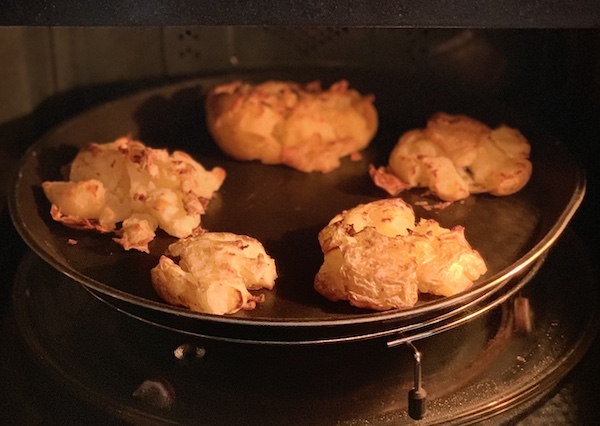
(41, 62)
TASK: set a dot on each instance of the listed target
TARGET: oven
(521, 349)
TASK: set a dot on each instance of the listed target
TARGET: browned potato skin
(281, 122)
(214, 272)
(376, 257)
(455, 156)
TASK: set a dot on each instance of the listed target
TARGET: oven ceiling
(393, 13)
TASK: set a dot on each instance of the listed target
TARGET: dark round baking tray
(285, 209)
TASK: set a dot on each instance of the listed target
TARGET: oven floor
(67, 358)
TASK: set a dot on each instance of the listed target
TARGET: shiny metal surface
(285, 209)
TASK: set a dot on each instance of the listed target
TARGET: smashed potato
(455, 156)
(216, 270)
(129, 189)
(280, 122)
(376, 257)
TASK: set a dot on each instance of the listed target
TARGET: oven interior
(550, 77)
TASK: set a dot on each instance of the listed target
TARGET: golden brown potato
(455, 156)
(129, 189)
(280, 122)
(376, 257)
(215, 272)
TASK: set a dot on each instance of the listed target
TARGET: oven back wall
(39, 62)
